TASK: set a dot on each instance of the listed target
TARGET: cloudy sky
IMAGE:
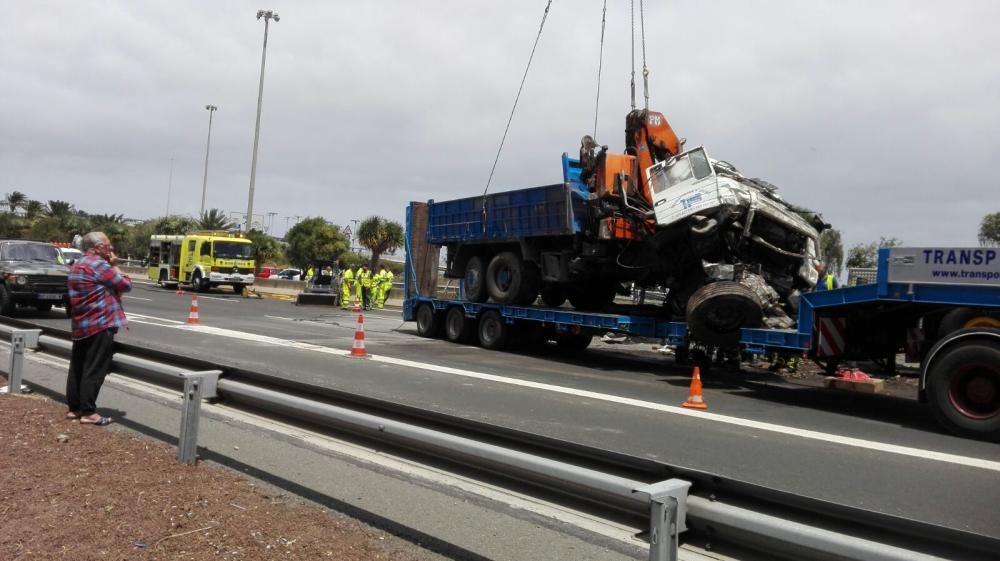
(883, 115)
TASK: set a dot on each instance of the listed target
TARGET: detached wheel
(553, 294)
(428, 321)
(573, 341)
(716, 312)
(504, 277)
(493, 331)
(458, 328)
(963, 385)
(591, 297)
(474, 281)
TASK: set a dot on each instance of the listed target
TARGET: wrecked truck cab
(758, 252)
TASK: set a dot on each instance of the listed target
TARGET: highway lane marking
(138, 298)
(943, 457)
(131, 315)
(231, 300)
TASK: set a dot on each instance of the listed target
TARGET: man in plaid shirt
(95, 291)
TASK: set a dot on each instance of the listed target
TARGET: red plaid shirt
(95, 295)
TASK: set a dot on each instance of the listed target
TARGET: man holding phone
(95, 291)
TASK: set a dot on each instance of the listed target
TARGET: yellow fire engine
(202, 260)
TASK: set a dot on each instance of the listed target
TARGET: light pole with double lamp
(204, 182)
(268, 15)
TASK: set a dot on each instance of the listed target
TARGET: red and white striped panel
(832, 335)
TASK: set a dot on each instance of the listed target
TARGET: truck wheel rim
(975, 391)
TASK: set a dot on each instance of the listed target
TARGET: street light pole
(204, 182)
(170, 185)
(267, 15)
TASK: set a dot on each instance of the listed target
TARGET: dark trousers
(366, 297)
(89, 363)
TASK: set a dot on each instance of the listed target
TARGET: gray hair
(92, 240)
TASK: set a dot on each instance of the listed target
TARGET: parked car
(32, 274)
(290, 274)
(267, 272)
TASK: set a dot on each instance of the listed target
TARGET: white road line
(671, 409)
(131, 316)
(137, 298)
(230, 300)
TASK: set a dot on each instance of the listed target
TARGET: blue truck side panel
(550, 210)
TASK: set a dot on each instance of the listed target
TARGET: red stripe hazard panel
(832, 334)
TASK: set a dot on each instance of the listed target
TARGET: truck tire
(198, 283)
(591, 297)
(960, 318)
(504, 277)
(963, 385)
(458, 328)
(531, 283)
(573, 341)
(474, 281)
(7, 306)
(716, 312)
(163, 279)
(553, 294)
(493, 330)
(44, 308)
(428, 321)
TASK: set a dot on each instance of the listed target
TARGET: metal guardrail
(667, 504)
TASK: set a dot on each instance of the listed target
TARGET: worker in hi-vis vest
(346, 284)
(827, 280)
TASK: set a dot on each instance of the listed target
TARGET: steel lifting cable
(516, 98)
(645, 71)
(600, 64)
(632, 13)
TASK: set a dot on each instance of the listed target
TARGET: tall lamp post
(208, 144)
(268, 15)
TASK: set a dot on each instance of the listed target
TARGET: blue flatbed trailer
(942, 305)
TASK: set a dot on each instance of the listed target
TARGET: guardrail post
(667, 515)
(197, 386)
(19, 340)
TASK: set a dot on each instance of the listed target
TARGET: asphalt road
(876, 452)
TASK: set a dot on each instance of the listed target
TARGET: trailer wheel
(504, 277)
(428, 321)
(474, 280)
(457, 327)
(716, 312)
(163, 279)
(553, 294)
(493, 331)
(573, 341)
(963, 388)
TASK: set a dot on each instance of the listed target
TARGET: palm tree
(60, 209)
(15, 200)
(214, 219)
(379, 235)
(34, 209)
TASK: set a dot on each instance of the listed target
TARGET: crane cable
(632, 13)
(600, 64)
(645, 71)
(516, 98)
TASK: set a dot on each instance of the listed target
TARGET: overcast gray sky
(881, 114)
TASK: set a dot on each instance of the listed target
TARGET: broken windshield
(693, 165)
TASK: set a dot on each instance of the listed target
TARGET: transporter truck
(939, 306)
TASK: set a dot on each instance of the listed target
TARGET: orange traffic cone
(695, 398)
(358, 350)
(193, 315)
(180, 288)
(357, 305)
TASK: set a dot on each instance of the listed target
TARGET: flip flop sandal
(102, 421)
